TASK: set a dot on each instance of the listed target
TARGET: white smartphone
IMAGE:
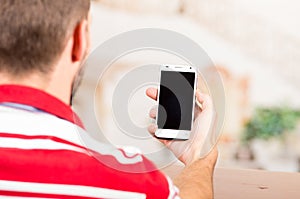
(176, 102)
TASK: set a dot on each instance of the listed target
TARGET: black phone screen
(176, 97)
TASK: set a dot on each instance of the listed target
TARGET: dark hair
(33, 33)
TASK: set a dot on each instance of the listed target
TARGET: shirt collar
(40, 100)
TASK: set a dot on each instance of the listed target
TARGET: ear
(80, 41)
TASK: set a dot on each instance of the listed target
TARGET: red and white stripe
(59, 190)
(39, 161)
(33, 124)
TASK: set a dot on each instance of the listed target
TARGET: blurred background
(256, 48)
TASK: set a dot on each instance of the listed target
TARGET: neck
(33, 80)
(41, 82)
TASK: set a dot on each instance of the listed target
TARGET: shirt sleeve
(144, 177)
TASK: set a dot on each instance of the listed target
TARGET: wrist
(196, 180)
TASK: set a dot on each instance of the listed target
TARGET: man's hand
(189, 151)
(196, 180)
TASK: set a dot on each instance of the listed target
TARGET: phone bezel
(172, 133)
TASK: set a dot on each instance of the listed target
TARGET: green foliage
(267, 123)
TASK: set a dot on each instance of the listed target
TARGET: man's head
(38, 35)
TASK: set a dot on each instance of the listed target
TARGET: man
(42, 46)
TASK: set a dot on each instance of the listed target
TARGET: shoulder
(65, 154)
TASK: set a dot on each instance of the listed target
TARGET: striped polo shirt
(46, 153)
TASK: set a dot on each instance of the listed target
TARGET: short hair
(33, 33)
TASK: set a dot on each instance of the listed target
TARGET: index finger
(205, 100)
(152, 93)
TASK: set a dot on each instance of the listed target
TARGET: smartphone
(176, 102)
